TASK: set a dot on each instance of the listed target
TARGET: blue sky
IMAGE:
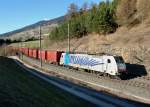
(15, 14)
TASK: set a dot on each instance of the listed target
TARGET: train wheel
(100, 74)
(105, 75)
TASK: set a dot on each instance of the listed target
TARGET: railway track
(142, 82)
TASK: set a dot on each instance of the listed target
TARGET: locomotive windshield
(119, 59)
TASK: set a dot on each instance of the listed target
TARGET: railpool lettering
(83, 61)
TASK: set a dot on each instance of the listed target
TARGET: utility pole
(68, 39)
(40, 47)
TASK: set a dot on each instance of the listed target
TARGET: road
(98, 98)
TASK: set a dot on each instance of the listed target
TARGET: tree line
(9, 41)
(99, 19)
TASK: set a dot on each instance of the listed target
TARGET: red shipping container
(30, 52)
(22, 50)
(53, 56)
(26, 51)
(35, 53)
(43, 54)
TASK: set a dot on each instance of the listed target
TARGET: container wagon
(26, 51)
(30, 53)
(43, 54)
(53, 57)
(35, 53)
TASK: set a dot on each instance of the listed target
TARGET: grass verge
(20, 89)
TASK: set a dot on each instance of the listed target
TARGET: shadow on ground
(8, 103)
(134, 71)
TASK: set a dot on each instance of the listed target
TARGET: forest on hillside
(96, 18)
(102, 18)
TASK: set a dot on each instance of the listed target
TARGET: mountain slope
(32, 30)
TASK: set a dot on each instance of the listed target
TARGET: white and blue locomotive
(105, 64)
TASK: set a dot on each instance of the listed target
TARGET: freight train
(102, 65)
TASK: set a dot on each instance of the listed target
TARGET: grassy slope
(20, 89)
(30, 44)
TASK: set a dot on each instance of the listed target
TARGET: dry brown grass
(125, 11)
(133, 12)
(143, 8)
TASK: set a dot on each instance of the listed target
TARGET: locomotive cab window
(108, 61)
(119, 59)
